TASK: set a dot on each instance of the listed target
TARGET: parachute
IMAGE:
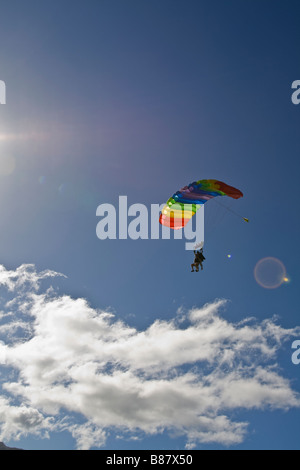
(181, 207)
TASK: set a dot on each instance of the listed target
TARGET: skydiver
(199, 258)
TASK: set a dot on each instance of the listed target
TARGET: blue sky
(136, 98)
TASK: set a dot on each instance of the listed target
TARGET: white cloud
(87, 435)
(17, 420)
(24, 276)
(73, 359)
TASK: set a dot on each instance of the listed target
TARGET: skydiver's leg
(201, 265)
(197, 267)
(192, 266)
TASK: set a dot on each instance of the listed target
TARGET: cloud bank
(66, 366)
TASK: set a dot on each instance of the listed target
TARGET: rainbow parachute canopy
(181, 207)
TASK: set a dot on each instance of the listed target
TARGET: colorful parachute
(181, 207)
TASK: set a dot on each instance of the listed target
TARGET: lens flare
(270, 273)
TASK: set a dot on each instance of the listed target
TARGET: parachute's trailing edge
(181, 207)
